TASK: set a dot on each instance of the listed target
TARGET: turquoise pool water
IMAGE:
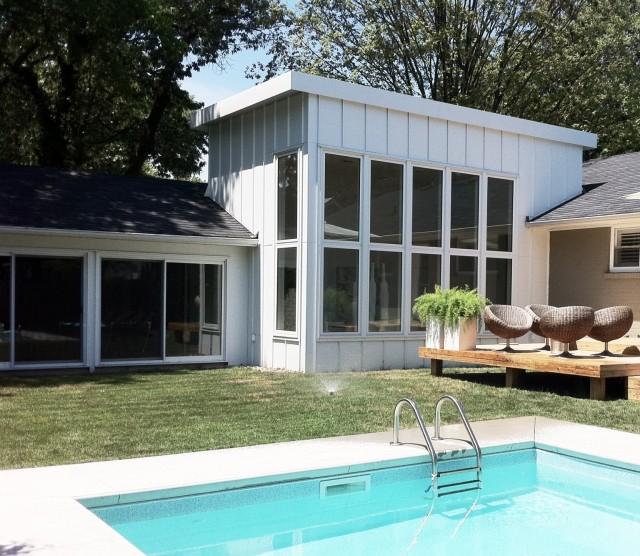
(533, 502)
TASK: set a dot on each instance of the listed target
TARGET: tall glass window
(498, 288)
(386, 202)
(385, 291)
(5, 309)
(425, 275)
(341, 198)
(463, 272)
(211, 342)
(286, 289)
(131, 310)
(340, 290)
(427, 207)
(499, 214)
(48, 309)
(465, 191)
(288, 196)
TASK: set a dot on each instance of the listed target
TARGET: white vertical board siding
(418, 137)
(246, 176)
(492, 149)
(438, 140)
(353, 136)
(475, 146)
(330, 121)
(509, 158)
(398, 133)
(456, 143)
(376, 129)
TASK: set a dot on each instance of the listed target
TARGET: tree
(95, 84)
(565, 62)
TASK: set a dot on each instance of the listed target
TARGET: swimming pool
(533, 502)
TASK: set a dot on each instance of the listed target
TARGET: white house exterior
(362, 199)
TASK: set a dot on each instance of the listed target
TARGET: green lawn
(53, 420)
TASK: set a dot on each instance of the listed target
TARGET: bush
(447, 307)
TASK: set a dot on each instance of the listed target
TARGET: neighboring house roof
(66, 200)
(294, 81)
(611, 188)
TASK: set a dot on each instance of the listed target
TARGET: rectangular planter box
(435, 335)
(462, 337)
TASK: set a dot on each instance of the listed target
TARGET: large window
(286, 283)
(48, 309)
(342, 198)
(499, 214)
(193, 310)
(5, 309)
(425, 275)
(427, 207)
(386, 202)
(340, 290)
(132, 308)
(499, 281)
(465, 195)
(288, 197)
(385, 291)
(626, 249)
(287, 244)
(463, 272)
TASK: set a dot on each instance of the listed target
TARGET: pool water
(532, 502)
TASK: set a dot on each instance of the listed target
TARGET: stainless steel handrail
(465, 422)
(423, 429)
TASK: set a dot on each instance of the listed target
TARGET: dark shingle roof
(32, 197)
(611, 187)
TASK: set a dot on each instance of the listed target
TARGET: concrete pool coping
(40, 512)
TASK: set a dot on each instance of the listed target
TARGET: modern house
(329, 207)
(594, 256)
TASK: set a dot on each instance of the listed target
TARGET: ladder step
(458, 491)
(470, 482)
(454, 471)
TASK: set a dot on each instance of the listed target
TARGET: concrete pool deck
(40, 512)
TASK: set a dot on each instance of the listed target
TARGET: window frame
(287, 243)
(407, 248)
(615, 231)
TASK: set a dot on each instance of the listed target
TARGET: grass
(54, 420)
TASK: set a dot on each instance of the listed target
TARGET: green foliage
(565, 62)
(449, 306)
(96, 84)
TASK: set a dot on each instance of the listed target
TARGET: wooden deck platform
(527, 357)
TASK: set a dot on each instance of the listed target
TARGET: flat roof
(294, 81)
(53, 199)
(611, 190)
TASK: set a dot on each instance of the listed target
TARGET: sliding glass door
(5, 310)
(193, 310)
(157, 310)
(48, 309)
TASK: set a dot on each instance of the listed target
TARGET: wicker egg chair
(536, 311)
(610, 324)
(567, 324)
(507, 321)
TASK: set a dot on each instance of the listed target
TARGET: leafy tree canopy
(95, 84)
(567, 62)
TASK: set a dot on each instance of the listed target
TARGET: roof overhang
(605, 221)
(312, 84)
(128, 236)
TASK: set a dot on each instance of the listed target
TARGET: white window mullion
(408, 242)
(482, 235)
(446, 229)
(365, 223)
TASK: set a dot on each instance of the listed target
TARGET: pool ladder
(436, 473)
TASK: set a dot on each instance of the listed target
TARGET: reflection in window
(193, 310)
(499, 214)
(341, 198)
(427, 207)
(463, 272)
(385, 291)
(386, 202)
(131, 309)
(288, 196)
(425, 275)
(340, 297)
(48, 309)
(286, 286)
(465, 190)
(5, 309)
(498, 288)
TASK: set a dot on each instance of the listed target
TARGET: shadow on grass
(564, 385)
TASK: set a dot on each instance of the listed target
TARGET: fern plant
(447, 307)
